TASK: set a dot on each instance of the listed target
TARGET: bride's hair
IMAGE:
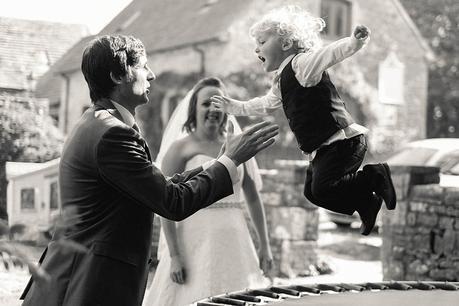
(190, 123)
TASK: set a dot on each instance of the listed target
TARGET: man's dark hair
(109, 54)
(190, 123)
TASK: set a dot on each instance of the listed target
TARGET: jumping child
(288, 42)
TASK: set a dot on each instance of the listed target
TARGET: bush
(27, 134)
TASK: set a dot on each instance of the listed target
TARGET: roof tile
(166, 24)
(29, 47)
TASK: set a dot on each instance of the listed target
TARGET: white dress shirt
(129, 120)
(308, 68)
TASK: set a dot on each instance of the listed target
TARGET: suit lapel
(145, 145)
(108, 106)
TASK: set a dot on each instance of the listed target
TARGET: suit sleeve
(124, 165)
(185, 176)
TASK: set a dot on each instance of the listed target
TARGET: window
(54, 111)
(168, 105)
(337, 16)
(53, 196)
(391, 80)
(28, 198)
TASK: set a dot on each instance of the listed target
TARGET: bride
(211, 252)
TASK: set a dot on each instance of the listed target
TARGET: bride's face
(207, 116)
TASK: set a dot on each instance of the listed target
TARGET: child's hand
(361, 32)
(222, 103)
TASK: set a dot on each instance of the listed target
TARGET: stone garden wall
(292, 220)
(421, 237)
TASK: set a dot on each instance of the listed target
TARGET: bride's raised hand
(178, 270)
(266, 260)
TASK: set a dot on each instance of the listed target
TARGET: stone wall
(421, 237)
(292, 220)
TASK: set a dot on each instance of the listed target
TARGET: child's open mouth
(262, 58)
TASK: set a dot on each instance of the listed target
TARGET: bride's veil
(175, 131)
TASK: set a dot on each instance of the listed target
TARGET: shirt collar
(128, 118)
(284, 63)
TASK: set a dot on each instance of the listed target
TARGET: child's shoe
(368, 213)
(382, 183)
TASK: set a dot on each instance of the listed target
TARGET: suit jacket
(106, 175)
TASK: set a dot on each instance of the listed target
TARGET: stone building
(385, 85)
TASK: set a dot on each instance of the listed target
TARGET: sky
(93, 13)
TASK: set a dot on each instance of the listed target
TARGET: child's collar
(284, 63)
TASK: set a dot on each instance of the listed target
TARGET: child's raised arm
(309, 66)
(260, 106)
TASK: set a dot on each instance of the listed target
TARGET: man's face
(134, 88)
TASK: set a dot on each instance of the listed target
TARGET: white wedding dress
(217, 250)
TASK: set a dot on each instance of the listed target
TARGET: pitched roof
(166, 24)
(171, 24)
(29, 47)
(49, 85)
(429, 53)
(17, 169)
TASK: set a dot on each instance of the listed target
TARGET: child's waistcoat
(313, 113)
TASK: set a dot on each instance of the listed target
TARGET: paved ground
(352, 257)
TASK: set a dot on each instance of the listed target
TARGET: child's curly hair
(292, 22)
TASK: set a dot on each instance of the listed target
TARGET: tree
(438, 21)
(27, 134)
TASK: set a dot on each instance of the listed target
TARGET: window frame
(34, 193)
(332, 31)
(391, 71)
(56, 184)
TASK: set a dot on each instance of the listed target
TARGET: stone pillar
(421, 237)
(292, 219)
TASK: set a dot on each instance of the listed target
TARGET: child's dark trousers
(333, 180)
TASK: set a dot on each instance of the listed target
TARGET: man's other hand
(240, 148)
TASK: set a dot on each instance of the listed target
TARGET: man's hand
(242, 147)
(178, 271)
(361, 32)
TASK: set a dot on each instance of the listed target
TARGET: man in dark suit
(107, 177)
